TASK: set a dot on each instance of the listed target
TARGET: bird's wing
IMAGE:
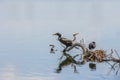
(90, 45)
(66, 40)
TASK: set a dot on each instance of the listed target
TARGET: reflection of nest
(95, 56)
(92, 66)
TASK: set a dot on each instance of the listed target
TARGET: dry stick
(117, 54)
(117, 61)
(114, 59)
(74, 35)
(112, 67)
(77, 44)
(82, 41)
(118, 69)
(109, 64)
(76, 55)
(110, 55)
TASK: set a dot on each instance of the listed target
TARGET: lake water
(26, 29)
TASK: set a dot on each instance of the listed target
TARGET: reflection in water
(69, 60)
(88, 54)
(27, 24)
(10, 72)
(92, 66)
(52, 50)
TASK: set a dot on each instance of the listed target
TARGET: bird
(64, 41)
(92, 45)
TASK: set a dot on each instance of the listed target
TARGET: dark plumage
(92, 45)
(64, 41)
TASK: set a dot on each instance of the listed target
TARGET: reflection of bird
(92, 45)
(64, 41)
(52, 48)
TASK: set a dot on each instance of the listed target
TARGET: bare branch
(79, 45)
(74, 35)
(117, 54)
(118, 69)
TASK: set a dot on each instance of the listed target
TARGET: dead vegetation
(86, 55)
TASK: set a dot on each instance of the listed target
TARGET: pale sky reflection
(26, 28)
(10, 72)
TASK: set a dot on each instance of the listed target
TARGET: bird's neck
(59, 37)
(74, 38)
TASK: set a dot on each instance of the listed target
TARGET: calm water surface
(26, 28)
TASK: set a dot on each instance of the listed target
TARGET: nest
(95, 56)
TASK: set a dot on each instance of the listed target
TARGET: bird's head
(75, 34)
(93, 42)
(58, 34)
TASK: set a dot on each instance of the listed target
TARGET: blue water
(26, 28)
(41, 66)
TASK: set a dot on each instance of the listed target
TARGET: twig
(74, 35)
(118, 69)
(77, 44)
(62, 45)
(110, 55)
(117, 54)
